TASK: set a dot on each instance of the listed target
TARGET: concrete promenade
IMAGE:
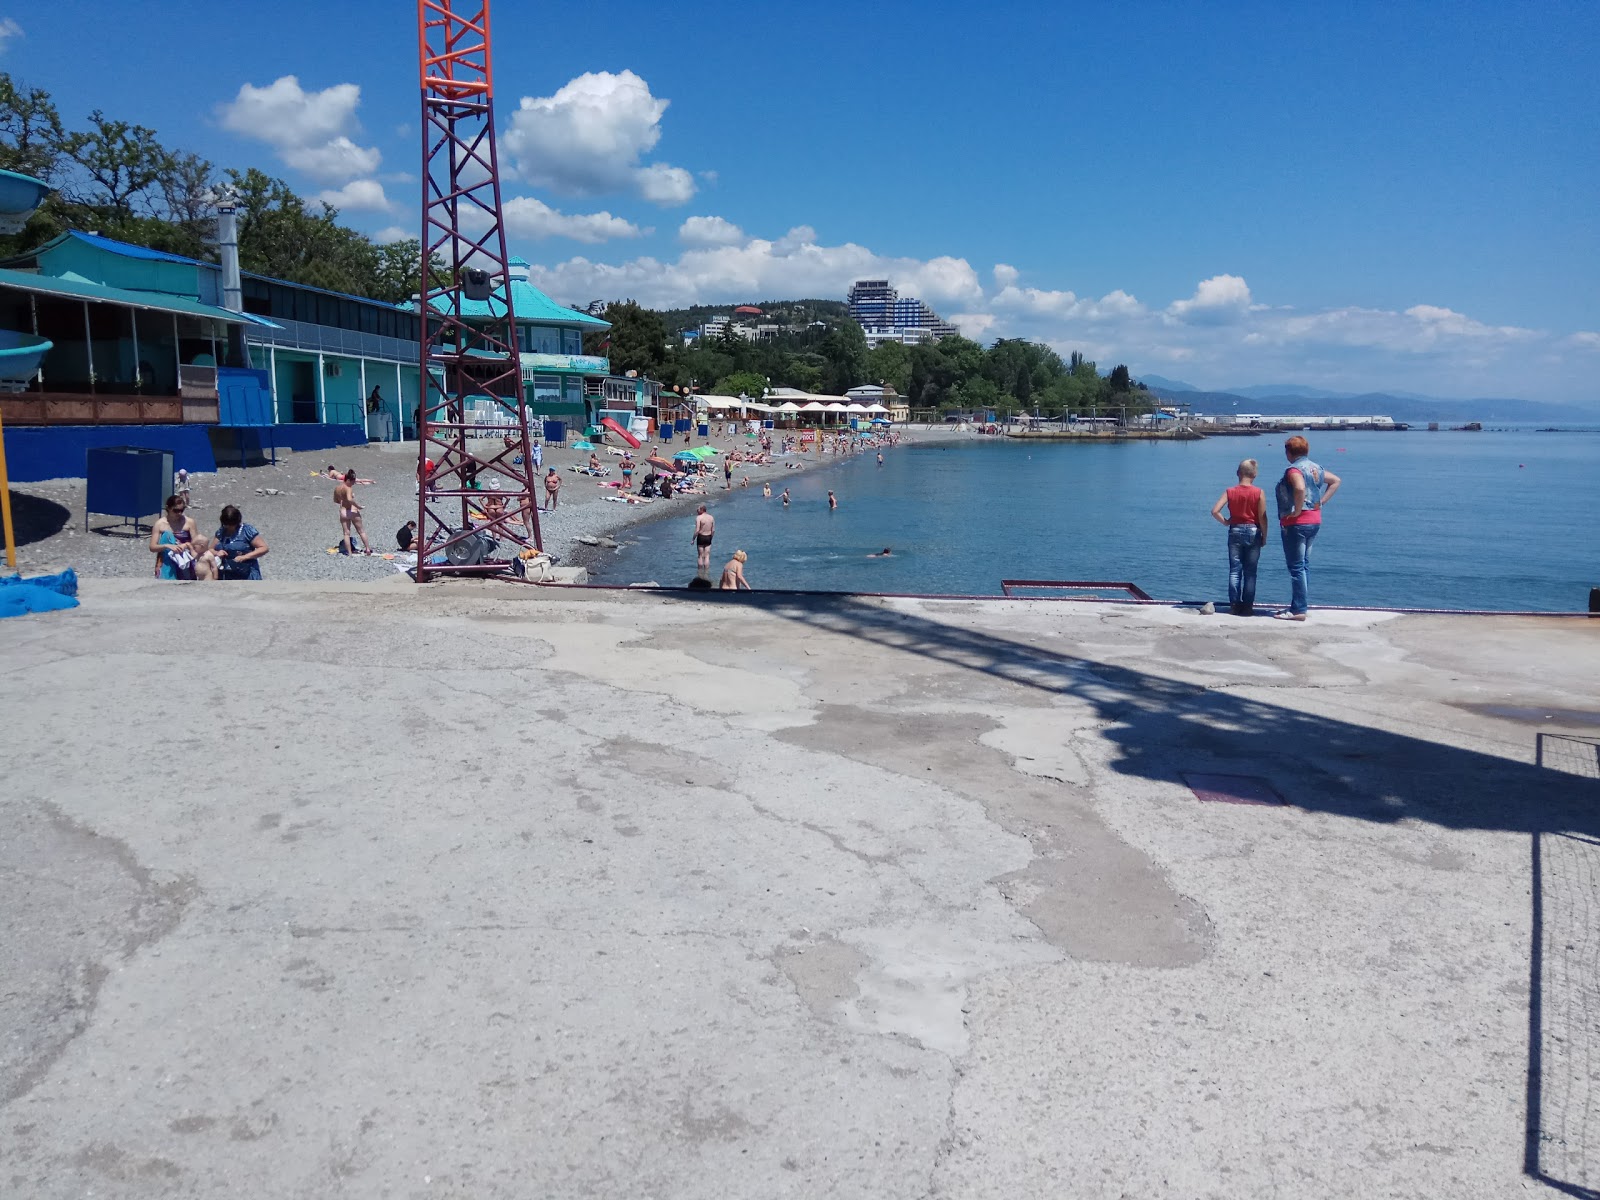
(361, 890)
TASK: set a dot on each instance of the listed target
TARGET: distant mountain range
(1292, 399)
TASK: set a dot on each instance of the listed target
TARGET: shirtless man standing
(705, 527)
(552, 490)
(344, 496)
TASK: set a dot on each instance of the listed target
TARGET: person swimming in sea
(886, 552)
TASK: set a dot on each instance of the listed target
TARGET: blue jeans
(1244, 552)
(1297, 553)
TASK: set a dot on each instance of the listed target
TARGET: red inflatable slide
(620, 432)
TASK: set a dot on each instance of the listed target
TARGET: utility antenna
(473, 397)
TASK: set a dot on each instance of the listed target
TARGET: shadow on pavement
(1162, 728)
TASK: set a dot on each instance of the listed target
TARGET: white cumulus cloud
(1216, 300)
(710, 231)
(9, 32)
(359, 195)
(590, 138)
(309, 130)
(526, 217)
(664, 185)
(393, 233)
(795, 265)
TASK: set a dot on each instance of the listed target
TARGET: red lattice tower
(473, 396)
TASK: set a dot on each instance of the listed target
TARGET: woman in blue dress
(238, 547)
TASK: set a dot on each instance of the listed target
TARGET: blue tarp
(45, 593)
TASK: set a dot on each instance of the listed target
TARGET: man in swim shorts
(705, 528)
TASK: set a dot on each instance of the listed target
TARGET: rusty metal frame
(462, 229)
(1073, 585)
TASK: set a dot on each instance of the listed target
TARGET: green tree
(123, 166)
(280, 236)
(31, 135)
(1119, 379)
(890, 364)
(1023, 390)
(398, 275)
(742, 383)
(638, 339)
(845, 350)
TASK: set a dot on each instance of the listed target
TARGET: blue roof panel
(129, 251)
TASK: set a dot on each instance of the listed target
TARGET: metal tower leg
(473, 396)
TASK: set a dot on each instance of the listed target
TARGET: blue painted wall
(57, 451)
(316, 437)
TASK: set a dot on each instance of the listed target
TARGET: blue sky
(1353, 195)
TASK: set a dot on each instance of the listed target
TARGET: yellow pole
(5, 504)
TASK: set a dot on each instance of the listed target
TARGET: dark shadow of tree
(36, 519)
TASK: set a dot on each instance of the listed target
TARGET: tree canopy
(953, 373)
(117, 179)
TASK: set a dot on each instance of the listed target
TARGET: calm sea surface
(1506, 520)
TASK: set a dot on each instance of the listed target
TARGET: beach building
(895, 406)
(562, 382)
(148, 350)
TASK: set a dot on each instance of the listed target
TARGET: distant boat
(1469, 427)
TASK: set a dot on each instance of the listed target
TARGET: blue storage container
(555, 431)
(126, 481)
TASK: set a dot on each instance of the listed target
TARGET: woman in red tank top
(1247, 531)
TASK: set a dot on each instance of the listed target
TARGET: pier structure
(785, 895)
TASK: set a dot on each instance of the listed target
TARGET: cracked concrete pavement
(482, 891)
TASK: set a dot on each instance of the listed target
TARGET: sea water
(1501, 520)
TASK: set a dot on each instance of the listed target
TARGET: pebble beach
(291, 503)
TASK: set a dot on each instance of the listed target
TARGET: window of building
(571, 341)
(544, 339)
(546, 391)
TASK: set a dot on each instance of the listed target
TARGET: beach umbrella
(705, 451)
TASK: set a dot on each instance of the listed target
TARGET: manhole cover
(1233, 789)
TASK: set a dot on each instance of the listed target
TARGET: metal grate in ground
(1232, 789)
(1573, 753)
(1564, 1063)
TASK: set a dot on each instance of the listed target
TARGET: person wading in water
(705, 528)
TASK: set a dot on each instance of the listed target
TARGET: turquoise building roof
(73, 287)
(532, 306)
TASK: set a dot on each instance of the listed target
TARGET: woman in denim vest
(1301, 493)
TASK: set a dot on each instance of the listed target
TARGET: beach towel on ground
(44, 593)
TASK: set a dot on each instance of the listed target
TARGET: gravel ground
(300, 525)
